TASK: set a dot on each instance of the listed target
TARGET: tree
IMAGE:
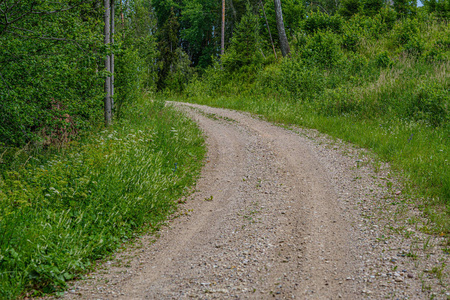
(50, 53)
(168, 44)
(244, 51)
(222, 43)
(372, 7)
(349, 8)
(284, 44)
(405, 8)
(108, 104)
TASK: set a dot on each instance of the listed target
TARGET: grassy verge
(60, 212)
(420, 153)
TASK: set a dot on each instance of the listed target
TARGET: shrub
(404, 31)
(382, 60)
(318, 21)
(430, 103)
(301, 80)
(440, 7)
(335, 102)
(349, 8)
(405, 8)
(323, 48)
(372, 7)
(415, 46)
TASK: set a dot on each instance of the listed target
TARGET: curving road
(277, 214)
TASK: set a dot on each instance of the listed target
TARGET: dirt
(280, 214)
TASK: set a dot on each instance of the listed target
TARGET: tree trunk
(108, 113)
(222, 49)
(285, 50)
(113, 11)
(268, 28)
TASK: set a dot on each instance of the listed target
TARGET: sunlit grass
(61, 212)
(417, 151)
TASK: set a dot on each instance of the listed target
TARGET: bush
(335, 102)
(415, 46)
(301, 80)
(382, 60)
(372, 7)
(404, 31)
(430, 103)
(349, 8)
(324, 49)
(318, 21)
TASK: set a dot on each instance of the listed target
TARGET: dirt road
(277, 214)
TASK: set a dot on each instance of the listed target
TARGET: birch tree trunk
(222, 49)
(108, 113)
(285, 50)
(113, 12)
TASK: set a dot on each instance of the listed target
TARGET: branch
(14, 5)
(43, 37)
(60, 10)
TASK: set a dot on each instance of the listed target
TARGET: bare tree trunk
(108, 113)
(268, 28)
(113, 11)
(285, 50)
(222, 50)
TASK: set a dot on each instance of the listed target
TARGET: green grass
(418, 152)
(381, 87)
(62, 211)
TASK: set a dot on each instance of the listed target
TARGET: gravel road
(280, 214)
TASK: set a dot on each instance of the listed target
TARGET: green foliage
(404, 31)
(167, 45)
(244, 53)
(372, 7)
(294, 12)
(349, 8)
(139, 35)
(383, 60)
(405, 8)
(59, 213)
(181, 73)
(48, 76)
(379, 81)
(324, 49)
(199, 27)
(430, 103)
(129, 78)
(318, 21)
(440, 7)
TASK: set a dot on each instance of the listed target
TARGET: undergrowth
(60, 212)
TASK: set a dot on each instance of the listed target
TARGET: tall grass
(61, 212)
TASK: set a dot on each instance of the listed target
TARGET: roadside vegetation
(378, 79)
(72, 190)
(63, 211)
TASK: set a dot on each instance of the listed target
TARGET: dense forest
(372, 72)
